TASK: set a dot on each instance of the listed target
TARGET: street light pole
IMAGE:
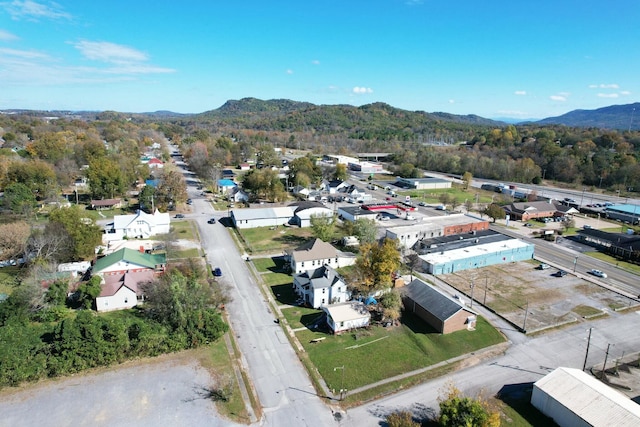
(586, 353)
(341, 381)
(575, 263)
(471, 294)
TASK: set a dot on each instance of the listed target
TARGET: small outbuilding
(346, 316)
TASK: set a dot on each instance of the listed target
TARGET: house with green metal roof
(129, 261)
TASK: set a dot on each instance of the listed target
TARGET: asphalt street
(284, 389)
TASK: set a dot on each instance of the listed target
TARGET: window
(322, 300)
(302, 264)
(324, 290)
(341, 324)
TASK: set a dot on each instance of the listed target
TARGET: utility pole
(604, 366)
(524, 324)
(575, 263)
(342, 390)
(486, 286)
(471, 294)
(586, 354)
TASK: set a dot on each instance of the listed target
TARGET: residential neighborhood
(372, 265)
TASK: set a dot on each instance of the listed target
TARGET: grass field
(274, 240)
(460, 194)
(373, 354)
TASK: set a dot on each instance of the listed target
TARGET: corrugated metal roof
(264, 213)
(593, 401)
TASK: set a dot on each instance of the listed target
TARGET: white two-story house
(320, 287)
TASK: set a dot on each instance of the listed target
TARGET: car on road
(599, 273)
(189, 201)
(179, 216)
(422, 204)
(543, 266)
(212, 221)
(560, 273)
(217, 272)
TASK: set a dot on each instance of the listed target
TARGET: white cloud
(452, 101)
(315, 62)
(604, 86)
(7, 36)
(109, 52)
(24, 54)
(561, 98)
(289, 71)
(607, 95)
(520, 92)
(34, 11)
(362, 90)
(625, 92)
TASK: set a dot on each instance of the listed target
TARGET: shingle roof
(129, 255)
(314, 249)
(432, 300)
(322, 277)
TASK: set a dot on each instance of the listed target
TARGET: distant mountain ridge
(285, 114)
(620, 117)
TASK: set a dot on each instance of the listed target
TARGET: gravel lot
(165, 391)
(551, 300)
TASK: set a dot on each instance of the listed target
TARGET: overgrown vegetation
(43, 337)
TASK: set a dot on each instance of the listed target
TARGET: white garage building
(574, 398)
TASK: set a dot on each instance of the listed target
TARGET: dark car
(189, 201)
(560, 273)
(212, 221)
(217, 272)
(179, 216)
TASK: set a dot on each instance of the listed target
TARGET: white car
(599, 273)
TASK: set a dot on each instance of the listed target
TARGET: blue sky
(519, 58)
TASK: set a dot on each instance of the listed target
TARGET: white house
(317, 253)
(334, 186)
(262, 217)
(76, 268)
(346, 316)
(139, 225)
(305, 210)
(122, 291)
(320, 287)
(127, 260)
(238, 195)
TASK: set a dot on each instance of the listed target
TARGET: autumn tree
(265, 183)
(304, 170)
(84, 234)
(495, 212)
(467, 177)
(457, 410)
(365, 230)
(340, 173)
(323, 227)
(13, 239)
(171, 188)
(38, 175)
(401, 419)
(391, 305)
(375, 266)
(106, 179)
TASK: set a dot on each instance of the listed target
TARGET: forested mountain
(613, 117)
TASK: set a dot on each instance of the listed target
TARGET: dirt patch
(535, 299)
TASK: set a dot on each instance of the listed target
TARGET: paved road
(281, 382)
(526, 361)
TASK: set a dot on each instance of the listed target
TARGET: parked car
(179, 216)
(543, 266)
(422, 204)
(599, 273)
(217, 272)
(560, 273)
(189, 201)
(212, 221)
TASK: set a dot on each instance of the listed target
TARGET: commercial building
(428, 183)
(439, 226)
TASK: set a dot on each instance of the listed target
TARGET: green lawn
(433, 196)
(183, 230)
(284, 294)
(271, 279)
(371, 355)
(274, 239)
(273, 264)
(298, 317)
(624, 265)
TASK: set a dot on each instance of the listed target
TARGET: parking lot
(534, 299)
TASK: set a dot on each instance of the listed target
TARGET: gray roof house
(445, 314)
(321, 286)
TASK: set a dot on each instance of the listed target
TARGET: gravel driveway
(165, 391)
